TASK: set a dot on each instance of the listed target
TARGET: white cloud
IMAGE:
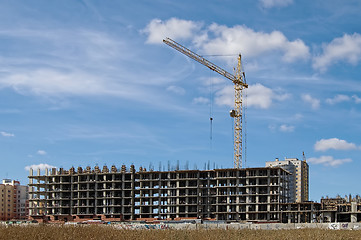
(41, 152)
(241, 39)
(287, 128)
(220, 39)
(213, 81)
(68, 44)
(356, 99)
(176, 90)
(40, 166)
(77, 63)
(338, 98)
(282, 128)
(72, 63)
(49, 82)
(282, 96)
(99, 46)
(297, 116)
(333, 143)
(315, 103)
(225, 96)
(6, 134)
(201, 100)
(173, 28)
(257, 96)
(54, 83)
(275, 3)
(346, 48)
(272, 127)
(329, 161)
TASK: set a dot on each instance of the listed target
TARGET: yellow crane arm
(203, 61)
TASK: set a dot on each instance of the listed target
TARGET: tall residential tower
(14, 200)
(299, 186)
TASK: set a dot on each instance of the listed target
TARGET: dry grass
(55, 232)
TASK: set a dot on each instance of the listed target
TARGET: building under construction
(250, 194)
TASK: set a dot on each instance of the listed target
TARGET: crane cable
(211, 108)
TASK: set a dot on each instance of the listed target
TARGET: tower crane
(239, 81)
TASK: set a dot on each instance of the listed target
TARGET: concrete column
(353, 217)
(289, 220)
(237, 193)
(177, 194)
(168, 198)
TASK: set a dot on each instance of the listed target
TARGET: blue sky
(90, 82)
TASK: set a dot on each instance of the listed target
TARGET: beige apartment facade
(299, 181)
(13, 200)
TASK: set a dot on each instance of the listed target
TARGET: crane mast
(239, 84)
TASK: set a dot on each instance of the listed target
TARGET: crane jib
(204, 61)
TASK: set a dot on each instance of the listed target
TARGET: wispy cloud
(201, 100)
(57, 43)
(287, 128)
(337, 99)
(328, 161)
(333, 143)
(64, 68)
(81, 63)
(41, 166)
(45, 82)
(314, 102)
(275, 3)
(282, 128)
(6, 134)
(41, 152)
(356, 99)
(346, 48)
(176, 89)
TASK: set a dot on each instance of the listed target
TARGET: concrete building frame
(250, 194)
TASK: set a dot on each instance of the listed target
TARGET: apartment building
(299, 181)
(329, 210)
(340, 209)
(251, 194)
(13, 200)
